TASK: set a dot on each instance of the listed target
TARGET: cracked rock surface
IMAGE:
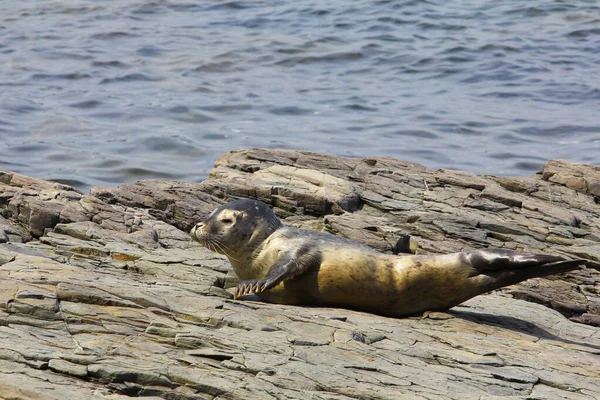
(103, 296)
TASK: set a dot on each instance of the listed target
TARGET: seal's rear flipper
(488, 260)
(498, 267)
(510, 277)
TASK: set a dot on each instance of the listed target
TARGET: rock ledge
(103, 296)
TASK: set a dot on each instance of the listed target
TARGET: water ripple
(53, 77)
(86, 104)
(112, 35)
(97, 93)
(133, 77)
(326, 58)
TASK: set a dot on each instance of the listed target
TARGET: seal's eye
(227, 221)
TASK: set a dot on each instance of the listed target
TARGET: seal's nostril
(197, 227)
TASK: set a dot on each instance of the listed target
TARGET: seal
(287, 265)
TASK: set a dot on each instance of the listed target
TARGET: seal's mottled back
(287, 265)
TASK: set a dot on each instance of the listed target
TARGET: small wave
(530, 165)
(462, 130)
(502, 76)
(108, 164)
(143, 173)
(584, 33)
(359, 107)
(389, 38)
(227, 108)
(507, 95)
(364, 71)
(327, 58)
(67, 156)
(319, 12)
(112, 35)
(173, 145)
(20, 108)
(509, 156)
(87, 104)
(193, 117)
(82, 10)
(510, 139)
(397, 59)
(441, 26)
(134, 77)
(290, 110)
(558, 131)
(215, 136)
(231, 5)
(396, 20)
(149, 51)
(424, 61)
(111, 64)
(223, 66)
(437, 157)
(11, 165)
(418, 133)
(183, 7)
(71, 77)
(492, 47)
(528, 12)
(29, 148)
(150, 8)
(455, 49)
(455, 59)
(179, 109)
(65, 55)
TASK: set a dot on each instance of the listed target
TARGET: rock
(316, 192)
(104, 295)
(580, 177)
(68, 368)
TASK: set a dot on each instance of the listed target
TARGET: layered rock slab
(104, 296)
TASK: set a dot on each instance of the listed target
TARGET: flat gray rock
(103, 296)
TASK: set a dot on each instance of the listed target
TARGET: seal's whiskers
(226, 250)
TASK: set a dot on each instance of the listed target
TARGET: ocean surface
(97, 93)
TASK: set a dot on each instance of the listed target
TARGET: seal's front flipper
(288, 266)
(259, 285)
(278, 272)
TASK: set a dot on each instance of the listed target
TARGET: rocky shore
(103, 295)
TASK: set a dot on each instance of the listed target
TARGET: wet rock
(104, 295)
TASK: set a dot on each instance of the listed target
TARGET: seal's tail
(498, 267)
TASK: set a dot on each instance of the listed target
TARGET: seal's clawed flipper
(276, 274)
(288, 266)
(253, 286)
(500, 267)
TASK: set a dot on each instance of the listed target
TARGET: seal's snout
(197, 230)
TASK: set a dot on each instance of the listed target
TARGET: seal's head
(237, 227)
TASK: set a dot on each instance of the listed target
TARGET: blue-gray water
(104, 92)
